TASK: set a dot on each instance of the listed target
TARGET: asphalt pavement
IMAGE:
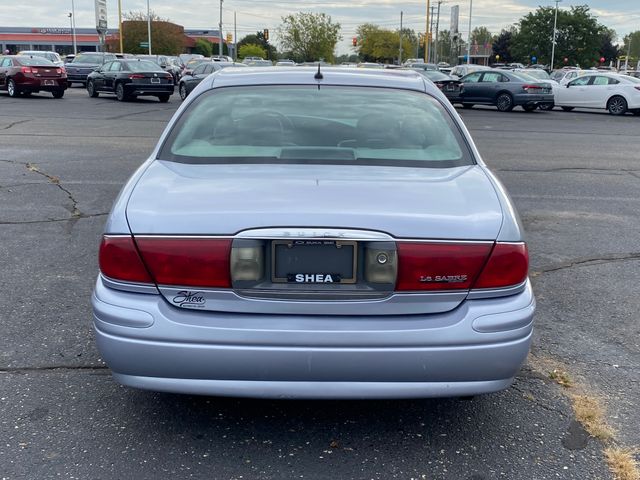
(575, 178)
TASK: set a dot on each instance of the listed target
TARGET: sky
(253, 15)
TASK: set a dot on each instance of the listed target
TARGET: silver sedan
(305, 233)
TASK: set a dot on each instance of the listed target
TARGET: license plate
(49, 82)
(313, 261)
(155, 80)
(450, 88)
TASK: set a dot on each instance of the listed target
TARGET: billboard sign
(455, 13)
(101, 15)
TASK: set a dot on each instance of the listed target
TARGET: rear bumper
(38, 85)
(474, 349)
(148, 89)
(529, 99)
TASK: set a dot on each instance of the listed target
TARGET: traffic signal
(265, 33)
(355, 41)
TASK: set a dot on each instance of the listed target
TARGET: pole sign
(455, 14)
(101, 16)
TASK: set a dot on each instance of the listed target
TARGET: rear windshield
(34, 61)
(89, 58)
(319, 125)
(144, 66)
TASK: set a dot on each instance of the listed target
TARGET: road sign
(101, 15)
(144, 44)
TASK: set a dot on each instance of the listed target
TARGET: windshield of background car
(144, 66)
(319, 125)
(88, 58)
(35, 61)
(434, 75)
(524, 77)
(539, 74)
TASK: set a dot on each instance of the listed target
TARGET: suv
(84, 63)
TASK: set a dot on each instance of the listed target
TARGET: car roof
(404, 79)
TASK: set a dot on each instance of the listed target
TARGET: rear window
(319, 125)
(89, 58)
(34, 61)
(143, 66)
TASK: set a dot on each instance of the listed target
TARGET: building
(60, 39)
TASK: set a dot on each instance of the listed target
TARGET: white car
(611, 91)
(564, 76)
(460, 71)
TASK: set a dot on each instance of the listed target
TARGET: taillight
(119, 260)
(136, 76)
(440, 266)
(526, 88)
(508, 265)
(58, 71)
(26, 70)
(187, 262)
(169, 77)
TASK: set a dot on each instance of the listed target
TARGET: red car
(24, 75)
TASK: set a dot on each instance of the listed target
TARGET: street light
(72, 22)
(220, 31)
(469, 44)
(555, 33)
(149, 25)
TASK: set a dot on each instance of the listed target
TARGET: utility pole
(149, 25)
(555, 33)
(120, 24)
(436, 56)
(400, 52)
(433, 8)
(73, 27)
(235, 38)
(426, 35)
(220, 27)
(469, 43)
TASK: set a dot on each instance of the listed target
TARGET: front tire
(120, 95)
(58, 94)
(91, 89)
(467, 106)
(504, 102)
(183, 91)
(12, 90)
(163, 98)
(617, 105)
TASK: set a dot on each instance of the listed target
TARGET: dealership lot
(575, 179)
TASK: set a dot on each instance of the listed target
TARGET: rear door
(600, 90)
(489, 85)
(5, 65)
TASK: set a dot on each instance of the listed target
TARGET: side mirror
(568, 85)
(97, 69)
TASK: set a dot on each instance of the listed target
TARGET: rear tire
(69, 84)
(163, 98)
(546, 106)
(58, 94)
(91, 89)
(504, 102)
(12, 89)
(617, 105)
(120, 95)
(467, 105)
(567, 109)
(529, 108)
(182, 89)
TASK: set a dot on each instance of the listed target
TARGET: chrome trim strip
(129, 286)
(481, 293)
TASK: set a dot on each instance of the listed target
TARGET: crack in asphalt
(529, 396)
(56, 220)
(589, 261)
(75, 212)
(568, 169)
(18, 122)
(119, 117)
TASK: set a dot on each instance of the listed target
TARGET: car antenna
(318, 75)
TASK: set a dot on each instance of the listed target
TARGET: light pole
(400, 52)
(149, 25)
(555, 33)
(469, 43)
(72, 20)
(426, 35)
(220, 31)
(120, 24)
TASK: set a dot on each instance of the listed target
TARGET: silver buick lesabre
(314, 233)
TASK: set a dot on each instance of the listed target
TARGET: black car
(166, 63)
(83, 64)
(504, 89)
(202, 71)
(451, 87)
(131, 78)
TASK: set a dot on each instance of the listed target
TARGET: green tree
(377, 44)
(502, 45)
(634, 51)
(203, 47)
(608, 50)
(481, 36)
(578, 36)
(251, 50)
(258, 39)
(166, 38)
(309, 36)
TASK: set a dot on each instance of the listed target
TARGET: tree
(481, 36)
(203, 47)
(608, 50)
(502, 45)
(377, 44)
(258, 39)
(251, 50)
(634, 52)
(166, 38)
(578, 36)
(309, 36)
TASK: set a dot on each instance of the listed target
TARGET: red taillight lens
(187, 262)
(136, 76)
(26, 70)
(119, 260)
(508, 265)
(526, 88)
(440, 266)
